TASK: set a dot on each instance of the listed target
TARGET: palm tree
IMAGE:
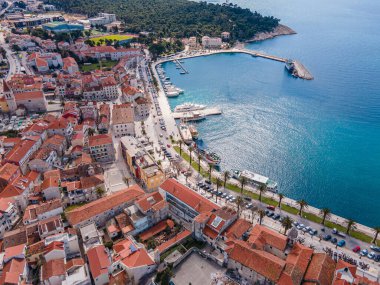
(326, 213)
(350, 224)
(280, 197)
(180, 147)
(286, 224)
(226, 175)
(262, 189)
(91, 132)
(261, 215)
(302, 204)
(377, 231)
(243, 181)
(191, 150)
(199, 163)
(218, 184)
(239, 202)
(210, 171)
(253, 212)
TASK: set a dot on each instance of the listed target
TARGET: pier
(204, 112)
(176, 61)
(300, 71)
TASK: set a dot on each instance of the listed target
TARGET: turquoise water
(319, 139)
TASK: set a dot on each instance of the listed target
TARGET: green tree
(280, 197)
(210, 170)
(191, 151)
(325, 213)
(218, 184)
(286, 224)
(350, 225)
(376, 231)
(239, 203)
(180, 147)
(226, 175)
(261, 215)
(262, 189)
(243, 181)
(303, 205)
(199, 163)
(100, 192)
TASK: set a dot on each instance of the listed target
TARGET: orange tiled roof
(98, 260)
(210, 232)
(50, 182)
(92, 181)
(12, 271)
(149, 200)
(261, 234)
(8, 170)
(99, 140)
(188, 196)
(19, 151)
(237, 229)
(75, 262)
(157, 228)
(89, 210)
(31, 95)
(168, 244)
(131, 255)
(321, 269)
(55, 267)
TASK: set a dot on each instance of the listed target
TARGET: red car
(271, 208)
(356, 249)
(168, 145)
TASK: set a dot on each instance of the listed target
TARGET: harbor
(197, 115)
(299, 70)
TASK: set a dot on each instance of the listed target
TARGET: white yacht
(187, 107)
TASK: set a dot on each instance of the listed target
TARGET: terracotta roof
(52, 173)
(237, 229)
(8, 170)
(32, 211)
(171, 242)
(131, 255)
(83, 159)
(92, 181)
(122, 114)
(15, 237)
(55, 140)
(264, 263)
(50, 182)
(99, 140)
(148, 201)
(297, 262)
(188, 196)
(50, 224)
(98, 261)
(31, 95)
(210, 232)
(13, 251)
(321, 269)
(73, 263)
(12, 271)
(120, 278)
(342, 264)
(5, 203)
(157, 228)
(33, 175)
(11, 191)
(261, 235)
(72, 185)
(19, 151)
(55, 267)
(101, 205)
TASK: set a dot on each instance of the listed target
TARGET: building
(184, 202)
(70, 65)
(43, 160)
(100, 263)
(141, 164)
(225, 36)
(142, 108)
(101, 148)
(104, 118)
(102, 19)
(211, 43)
(8, 173)
(62, 27)
(103, 209)
(43, 62)
(85, 190)
(123, 120)
(9, 214)
(43, 211)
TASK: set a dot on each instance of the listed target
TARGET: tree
(253, 211)
(376, 231)
(243, 181)
(226, 175)
(326, 213)
(286, 224)
(180, 147)
(199, 163)
(100, 192)
(350, 224)
(218, 184)
(191, 151)
(280, 197)
(262, 189)
(303, 205)
(210, 165)
(261, 215)
(239, 203)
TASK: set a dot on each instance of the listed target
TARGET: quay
(203, 113)
(299, 71)
(181, 66)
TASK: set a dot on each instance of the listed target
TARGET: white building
(9, 214)
(211, 43)
(102, 19)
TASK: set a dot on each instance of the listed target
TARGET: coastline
(280, 30)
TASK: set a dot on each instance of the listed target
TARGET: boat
(172, 94)
(193, 116)
(255, 179)
(187, 107)
(194, 132)
(182, 72)
(185, 133)
(289, 65)
(210, 157)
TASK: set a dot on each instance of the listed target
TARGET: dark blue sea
(320, 139)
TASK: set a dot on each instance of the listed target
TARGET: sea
(319, 139)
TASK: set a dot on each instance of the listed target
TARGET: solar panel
(215, 223)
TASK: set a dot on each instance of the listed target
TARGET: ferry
(209, 157)
(255, 179)
(187, 107)
(194, 132)
(185, 133)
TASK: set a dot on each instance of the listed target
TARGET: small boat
(255, 179)
(182, 72)
(194, 132)
(187, 107)
(193, 116)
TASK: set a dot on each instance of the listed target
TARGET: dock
(300, 71)
(176, 61)
(204, 112)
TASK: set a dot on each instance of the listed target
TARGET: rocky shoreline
(280, 30)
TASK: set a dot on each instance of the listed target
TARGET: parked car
(300, 226)
(276, 216)
(375, 248)
(271, 208)
(249, 205)
(356, 249)
(371, 255)
(377, 258)
(313, 232)
(364, 252)
(334, 240)
(342, 243)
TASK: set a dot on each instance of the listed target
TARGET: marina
(255, 179)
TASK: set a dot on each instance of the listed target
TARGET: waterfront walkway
(300, 71)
